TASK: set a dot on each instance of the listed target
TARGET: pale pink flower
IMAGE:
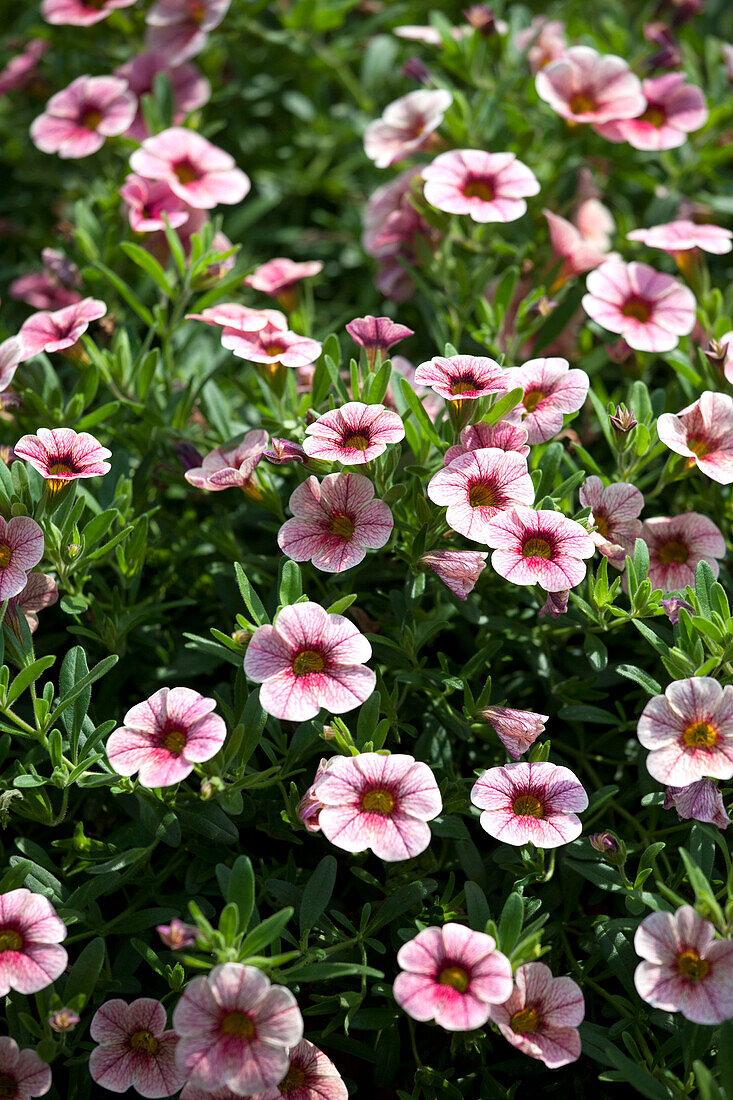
(489, 187)
(61, 455)
(235, 1029)
(568, 244)
(311, 1076)
(685, 969)
(378, 803)
(80, 13)
(148, 200)
(21, 548)
(391, 226)
(335, 521)
(551, 389)
(22, 1071)
(40, 591)
(516, 729)
(180, 28)
(56, 331)
(649, 309)
(458, 569)
(135, 1050)
(503, 435)
(615, 512)
(230, 468)
(78, 120)
(542, 1015)
(405, 126)
(177, 935)
(462, 377)
(11, 356)
(700, 800)
(280, 275)
(544, 40)
(535, 803)
(556, 604)
(703, 432)
(20, 69)
(31, 956)
(272, 344)
(585, 86)
(354, 434)
(672, 110)
(452, 975)
(231, 315)
(689, 732)
(198, 172)
(53, 288)
(308, 660)
(595, 223)
(377, 334)
(539, 547)
(676, 544)
(310, 805)
(477, 486)
(683, 236)
(189, 89)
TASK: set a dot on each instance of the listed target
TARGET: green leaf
(100, 669)
(85, 972)
(400, 902)
(502, 406)
(291, 583)
(317, 893)
(265, 933)
(631, 672)
(28, 676)
(241, 890)
(596, 652)
(415, 406)
(127, 293)
(73, 669)
(252, 601)
(323, 972)
(510, 923)
(150, 265)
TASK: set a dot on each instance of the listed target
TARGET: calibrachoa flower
(676, 544)
(683, 236)
(672, 110)
(569, 245)
(378, 803)
(230, 468)
(535, 803)
(80, 13)
(703, 432)
(685, 968)
(179, 28)
(551, 389)
(311, 1076)
(462, 377)
(177, 934)
(649, 309)
(452, 975)
(556, 604)
(31, 956)
(11, 356)
(148, 201)
(503, 435)
(479, 484)
(354, 434)
(165, 736)
(40, 591)
(310, 805)
(308, 660)
(489, 187)
(280, 275)
(231, 315)
(62, 1020)
(22, 1072)
(377, 334)
(135, 1050)
(542, 1015)
(284, 450)
(20, 69)
(544, 40)
(689, 731)
(61, 455)
(701, 800)
(272, 344)
(198, 172)
(189, 89)
(57, 331)
(585, 86)
(595, 222)
(615, 517)
(53, 288)
(539, 547)
(517, 729)
(458, 569)
(405, 126)
(21, 548)
(78, 120)
(335, 522)
(673, 606)
(236, 1029)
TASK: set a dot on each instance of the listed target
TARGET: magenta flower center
(673, 551)
(239, 1024)
(308, 660)
(196, 11)
(175, 742)
(10, 940)
(700, 735)
(463, 385)
(145, 1041)
(528, 805)
(480, 189)
(655, 116)
(91, 119)
(526, 1021)
(378, 801)
(536, 548)
(482, 495)
(8, 1085)
(357, 441)
(637, 309)
(186, 172)
(6, 555)
(532, 399)
(581, 103)
(691, 966)
(341, 525)
(454, 976)
(293, 1079)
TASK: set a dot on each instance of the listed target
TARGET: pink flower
(148, 201)
(458, 569)
(405, 126)
(542, 1015)
(272, 344)
(30, 936)
(231, 468)
(535, 803)
(235, 1030)
(517, 729)
(704, 433)
(198, 172)
(451, 975)
(570, 246)
(544, 40)
(78, 119)
(53, 288)
(489, 187)
(542, 548)
(391, 226)
(308, 660)
(80, 13)
(685, 968)
(56, 331)
(311, 1076)
(595, 223)
(231, 315)
(310, 805)
(462, 377)
(683, 236)
(615, 517)
(503, 435)
(11, 356)
(40, 591)
(354, 434)
(180, 28)
(280, 275)
(585, 86)
(700, 800)
(650, 310)
(20, 69)
(135, 1050)
(689, 731)
(189, 89)
(164, 737)
(550, 390)
(478, 485)
(21, 547)
(62, 1020)
(61, 455)
(672, 110)
(676, 544)
(335, 522)
(22, 1071)
(377, 334)
(284, 450)
(556, 604)
(177, 935)
(193, 1092)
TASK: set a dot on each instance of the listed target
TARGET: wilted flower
(180, 28)
(22, 1072)
(177, 935)
(310, 805)
(701, 801)
(673, 109)
(284, 450)
(135, 1050)
(703, 432)
(539, 547)
(615, 511)
(689, 731)
(198, 172)
(676, 544)
(405, 126)
(650, 310)
(78, 120)
(354, 434)
(458, 569)
(551, 389)
(556, 604)
(57, 331)
(230, 468)
(516, 729)
(673, 606)
(489, 187)
(478, 485)
(31, 956)
(40, 591)
(585, 86)
(530, 802)
(542, 1015)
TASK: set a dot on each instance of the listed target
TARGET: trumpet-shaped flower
(462, 377)
(649, 309)
(272, 344)
(197, 171)
(703, 432)
(135, 1050)
(615, 511)
(551, 389)
(585, 86)
(673, 109)
(503, 435)
(683, 236)
(148, 200)
(405, 126)
(62, 455)
(489, 187)
(78, 120)
(21, 548)
(23, 1073)
(57, 331)
(458, 569)
(676, 544)
(479, 484)
(689, 732)
(354, 434)
(701, 801)
(517, 729)
(539, 547)
(310, 1076)
(31, 956)
(542, 1015)
(230, 468)
(80, 13)
(180, 28)
(280, 275)
(535, 803)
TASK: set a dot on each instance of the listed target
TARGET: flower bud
(416, 69)
(63, 1020)
(241, 637)
(622, 421)
(717, 354)
(611, 847)
(177, 935)
(72, 550)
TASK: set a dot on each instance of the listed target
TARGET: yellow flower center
(700, 735)
(274, 349)
(481, 496)
(341, 525)
(293, 1079)
(691, 966)
(143, 1040)
(185, 172)
(175, 742)
(10, 940)
(479, 189)
(357, 442)
(654, 116)
(8, 1085)
(454, 976)
(602, 525)
(237, 1023)
(637, 309)
(536, 548)
(92, 119)
(700, 447)
(532, 399)
(378, 801)
(308, 660)
(673, 551)
(462, 385)
(5, 555)
(580, 103)
(526, 1021)
(60, 468)
(528, 805)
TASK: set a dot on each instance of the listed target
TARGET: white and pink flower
(684, 236)
(614, 515)
(701, 801)
(189, 89)
(578, 254)
(516, 729)
(377, 334)
(61, 455)
(21, 548)
(53, 288)
(23, 1071)
(457, 569)
(198, 172)
(61, 329)
(676, 544)
(462, 377)
(310, 1076)
(31, 956)
(503, 435)
(479, 484)
(405, 126)
(272, 344)
(40, 591)
(544, 41)
(232, 315)
(230, 468)
(80, 13)
(703, 433)
(542, 1015)
(539, 547)
(135, 1050)
(280, 275)
(649, 309)
(148, 200)
(530, 803)
(354, 434)
(489, 187)
(78, 120)
(689, 732)
(672, 110)
(550, 389)
(584, 86)
(180, 28)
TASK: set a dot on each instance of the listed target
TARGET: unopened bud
(623, 420)
(241, 637)
(416, 69)
(73, 550)
(717, 353)
(328, 733)
(611, 847)
(210, 787)
(63, 1020)
(481, 17)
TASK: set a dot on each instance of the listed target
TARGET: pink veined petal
(419, 794)
(112, 1067)
(267, 655)
(345, 688)
(33, 968)
(290, 697)
(196, 1010)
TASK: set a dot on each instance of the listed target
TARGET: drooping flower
(535, 803)
(148, 200)
(135, 1050)
(78, 120)
(544, 40)
(458, 569)
(701, 801)
(556, 604)
(230, 468)
(354, 434)
(685, 968)
(703, 432)
(177, 935)
(539, 547)
(683, 236)
(516, 729)
(405, 126)
(279, 275)
(62, 455)
(285, 450)
(31, 956)
(462, 377)
(452, 975)
(478, 485)
(377, 334)
(22, 1071)
(676, 544)
(189, 89)
(56, 331)
(569, 245)
(542, 1015)
(489, 187)
(672, 110)
(335, 521)
(198, 172)
(20, 69)
(272, 344)
(308, 660)
(180, 28)
(80, 13)
(503, 435)
(615, 512)
(673, 606)
(689, 732)
(53, 288)
(40, 591)
(235, 1029)
(551, 389)
(310, 805)
(310, 1076)
(378, 803)
(649, 309)
(21, 548)
(584, 86)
